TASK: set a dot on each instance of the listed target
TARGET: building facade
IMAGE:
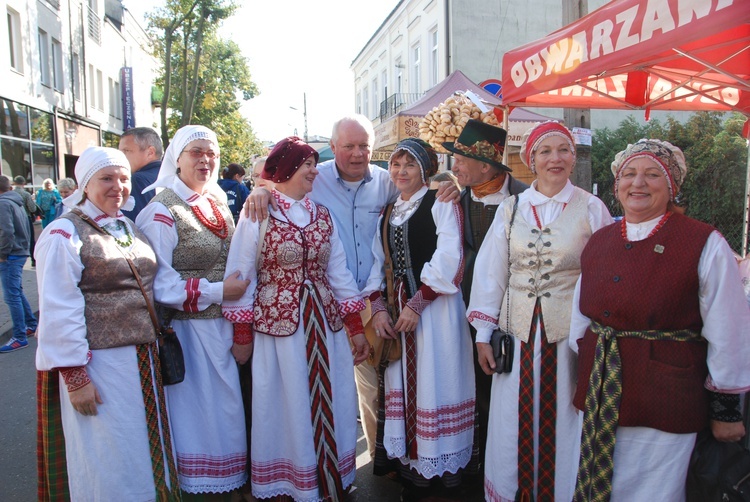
(421, 42)
(77, 74)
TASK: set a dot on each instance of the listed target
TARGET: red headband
(542, 130)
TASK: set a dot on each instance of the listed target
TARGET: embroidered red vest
(649, 285)
(292, 256)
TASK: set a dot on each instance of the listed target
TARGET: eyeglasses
(197, 153)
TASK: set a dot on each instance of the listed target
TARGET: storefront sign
(128, 105)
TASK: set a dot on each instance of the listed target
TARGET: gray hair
(359, 119)
(68, 183)
(145, 137)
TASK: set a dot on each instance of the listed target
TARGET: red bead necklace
(662, 221)
(219, 229)
(536, 216)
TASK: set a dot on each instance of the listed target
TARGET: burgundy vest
(290, 257)
(649, 285)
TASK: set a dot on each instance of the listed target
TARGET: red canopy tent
(639, 54)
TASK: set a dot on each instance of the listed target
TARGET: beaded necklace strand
(219, 229)
(662, 221)
(536, 216)
(125, 242)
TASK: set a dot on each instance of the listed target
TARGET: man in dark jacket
(142, 146)
(478, 166)
(14, 250)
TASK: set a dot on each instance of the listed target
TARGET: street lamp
(304, 113)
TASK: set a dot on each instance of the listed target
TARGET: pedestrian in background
(143, 148)
(47, 199)
(237, 192)
(14, 250)
(66, 187)
(19, 184)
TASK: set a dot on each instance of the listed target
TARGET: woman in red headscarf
(533, 425)
(293, 314)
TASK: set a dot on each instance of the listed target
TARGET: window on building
(384, 84)
(416, 65)
(44, 58)
(26, 147)
(375, 100)
(94, 23)
(433, 57)
(365, 101)
(115, 101)
(118, 101)
(76, 77)
(16, 123)
(111, 92)
(399, 75)
(57, 66)
(92, 86)
(100, 90)
(358, 104)
(14, 40)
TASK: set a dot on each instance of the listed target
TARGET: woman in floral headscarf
(532, 434)
(661, 329)
(300, 298)
(190, 227)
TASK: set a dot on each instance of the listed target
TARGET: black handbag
(171, 358)
(718, 471)
(502, 344)
(502, 340)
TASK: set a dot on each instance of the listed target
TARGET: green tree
(716, 155)
(203, 76)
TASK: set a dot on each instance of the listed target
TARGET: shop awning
(639, 54)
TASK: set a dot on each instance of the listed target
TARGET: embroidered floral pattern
(483, 149)
(293, 255)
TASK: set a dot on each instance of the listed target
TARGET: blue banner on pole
(128, 105)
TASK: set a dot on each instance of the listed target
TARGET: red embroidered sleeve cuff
(243, 333)
(420, 301)
(377, 303)
(353, 323)
(75, 378)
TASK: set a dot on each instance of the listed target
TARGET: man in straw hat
(478, 166)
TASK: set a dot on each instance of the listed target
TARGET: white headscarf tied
(181, 139)
(92, 160)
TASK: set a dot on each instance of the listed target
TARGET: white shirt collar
(537, 198)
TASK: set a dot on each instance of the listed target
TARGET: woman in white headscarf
(190, 228)
(96, 332)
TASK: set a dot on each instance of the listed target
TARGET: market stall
(405, 123)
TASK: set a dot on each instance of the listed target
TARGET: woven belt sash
(602, 409)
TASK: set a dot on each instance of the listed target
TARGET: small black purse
(502, 344)
(502, 340)
(171, 358)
